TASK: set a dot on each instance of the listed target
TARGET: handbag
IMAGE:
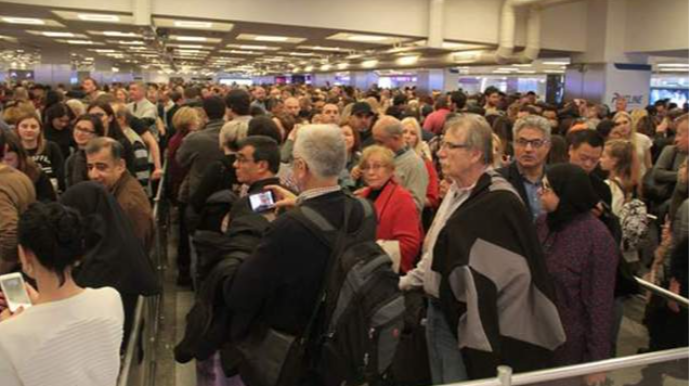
(273, 358)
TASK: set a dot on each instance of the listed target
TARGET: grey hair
(322, 147)
(391, 126)
(232, 133)
(533, 122)
(478, 134)
(97, 144)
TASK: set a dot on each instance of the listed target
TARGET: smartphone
(262, 201)
(13, 288)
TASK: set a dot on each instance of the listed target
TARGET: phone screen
(15, 292)
(262, 201)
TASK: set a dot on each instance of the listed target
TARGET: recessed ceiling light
(308, 68)
(301, 54)
(23, 20)
(266, 38)
(104, 50)
(80, 42)
(98, 17)
(192, 24)
(241, 52)
(556, 63)
(370, 63)
(190, 38)
(325, 67)
(407, 60)
(120, 34)
(321, 48)
(130, 42)
(342, 66)
(52, 34)
(367, 38)
(673, 65)
(192, 46)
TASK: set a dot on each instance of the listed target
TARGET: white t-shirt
(70, 342)
(642, 145)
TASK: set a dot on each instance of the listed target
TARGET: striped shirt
(70, 342)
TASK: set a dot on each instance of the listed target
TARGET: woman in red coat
(395, 208)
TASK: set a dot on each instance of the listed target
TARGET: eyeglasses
(445, 145)
(536, 143)
(84, 131)
(373, 167)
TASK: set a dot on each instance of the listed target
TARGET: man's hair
(532, 122)
(322, 147)
(175, 96)
(681, 119)
(191, 93)
(264, 125)
(97, 144)
(95, 83)
(590, 137)
(214, 107)
(265, 149)
(478, 134)
(239, 101)
(459, 99)
(391, 126)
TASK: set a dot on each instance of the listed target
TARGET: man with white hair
(279, 285)
(482, 268)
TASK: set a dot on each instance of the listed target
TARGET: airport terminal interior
(344, 192)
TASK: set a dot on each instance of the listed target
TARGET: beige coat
(16, 194)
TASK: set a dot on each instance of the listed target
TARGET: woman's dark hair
(54, 233)
(24, 163)
(559, 150)
(95, 121)
(52, 98)
(57, 110)
(114, 130)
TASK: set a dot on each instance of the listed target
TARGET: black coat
(495, 291)
(220, 256)
(512, 174)
(279, 284)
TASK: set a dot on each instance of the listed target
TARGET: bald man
(292, 107)
(410, 170)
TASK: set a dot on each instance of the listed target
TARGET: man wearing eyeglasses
(532, 142)
(482, 268)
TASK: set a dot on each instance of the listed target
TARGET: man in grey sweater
(409, 167)
(201, 149)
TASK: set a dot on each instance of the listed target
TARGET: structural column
(606, 71)
(55, 67)
(442, 80)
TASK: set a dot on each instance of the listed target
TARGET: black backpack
(364, 307)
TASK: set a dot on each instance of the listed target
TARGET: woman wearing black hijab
(115, 257)
(582, 259)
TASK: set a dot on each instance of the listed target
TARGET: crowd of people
(518, 223)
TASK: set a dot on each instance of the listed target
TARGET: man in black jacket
(256, 164)
(490, 297)
(278, 286)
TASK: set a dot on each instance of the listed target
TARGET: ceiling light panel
(271, 38)
(29, 21)
(366, 38)
(321, 48)
(192, 24)
(253, 47)
(195, 39)
(96, 17)
(241, 52)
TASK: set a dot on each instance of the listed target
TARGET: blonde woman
(624, 129)
(395, 207)
(412, 133)
(620, 161)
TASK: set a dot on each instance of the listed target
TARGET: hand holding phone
(262, 201)
(15, 292)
